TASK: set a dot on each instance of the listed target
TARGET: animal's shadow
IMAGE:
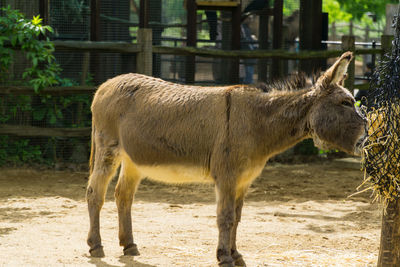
(125, 260)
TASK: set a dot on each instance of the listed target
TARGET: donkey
(223, 135)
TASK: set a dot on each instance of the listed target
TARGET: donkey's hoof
(226, 264)
(238, 258)
(97, 251)
(131, 250)
(240, 262)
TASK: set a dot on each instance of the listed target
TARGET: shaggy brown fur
(222, 135)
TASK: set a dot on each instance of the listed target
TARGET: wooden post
(235, 24)
(190, 63)
(263, 42)
(44, 11)
(144, 14)
(95, 65)
(333, 27)
(310, 31)
(389, 250)
(95, 20)
(144, 60)
(386, 43)
(277, 40)
(365, 57)
(351, 28)
(348, 44)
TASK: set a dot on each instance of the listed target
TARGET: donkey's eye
(347, 103)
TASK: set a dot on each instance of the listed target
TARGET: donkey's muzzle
(360, 144)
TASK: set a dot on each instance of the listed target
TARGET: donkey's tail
(92, 151)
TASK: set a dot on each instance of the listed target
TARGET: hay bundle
(381, 152)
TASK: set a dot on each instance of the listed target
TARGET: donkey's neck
(285, 119)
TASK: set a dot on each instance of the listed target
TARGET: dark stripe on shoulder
(228, 100)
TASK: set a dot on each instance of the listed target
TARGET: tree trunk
(389, 251)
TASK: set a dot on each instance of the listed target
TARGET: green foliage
(18, 151)
(358, 8)
(18, 32)
(173, 11)
(335, 12)
(289, 7)
(306, 147)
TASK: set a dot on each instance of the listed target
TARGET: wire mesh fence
(118, 21)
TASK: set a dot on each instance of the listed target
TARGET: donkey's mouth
(358, 148)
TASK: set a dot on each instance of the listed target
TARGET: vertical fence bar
(144, 59)
(386, 43)
(144, 14)
(190, 63)
(263, 33)
(277, 66)
(235, 18)
(348, 44)
(44, 11)
(95, 36)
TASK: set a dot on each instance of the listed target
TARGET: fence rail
(126, 47)
(56, 91)
(32, 131)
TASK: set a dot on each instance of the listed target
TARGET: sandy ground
(295, 215)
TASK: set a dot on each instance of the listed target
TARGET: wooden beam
(57, 91)
(124, 47)
(115, 47)
(24, 130)
(217, 4)
(275, 53)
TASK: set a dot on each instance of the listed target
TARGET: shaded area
(325, 180)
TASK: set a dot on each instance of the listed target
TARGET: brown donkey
(222, 135)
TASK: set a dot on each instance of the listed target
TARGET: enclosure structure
(179, 41)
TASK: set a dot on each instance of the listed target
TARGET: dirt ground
(295, 215)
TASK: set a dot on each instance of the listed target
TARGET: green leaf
(38, 114)
(36, 20)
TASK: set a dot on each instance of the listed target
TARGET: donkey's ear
(337, 73)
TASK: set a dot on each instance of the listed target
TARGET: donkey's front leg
(225, 219)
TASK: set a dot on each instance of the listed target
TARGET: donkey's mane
(291, 83)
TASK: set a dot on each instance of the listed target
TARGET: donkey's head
(334, 121)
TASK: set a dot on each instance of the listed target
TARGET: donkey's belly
(175, 173)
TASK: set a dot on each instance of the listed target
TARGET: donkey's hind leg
(128, 182)
(105, 164)
(240, 194)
